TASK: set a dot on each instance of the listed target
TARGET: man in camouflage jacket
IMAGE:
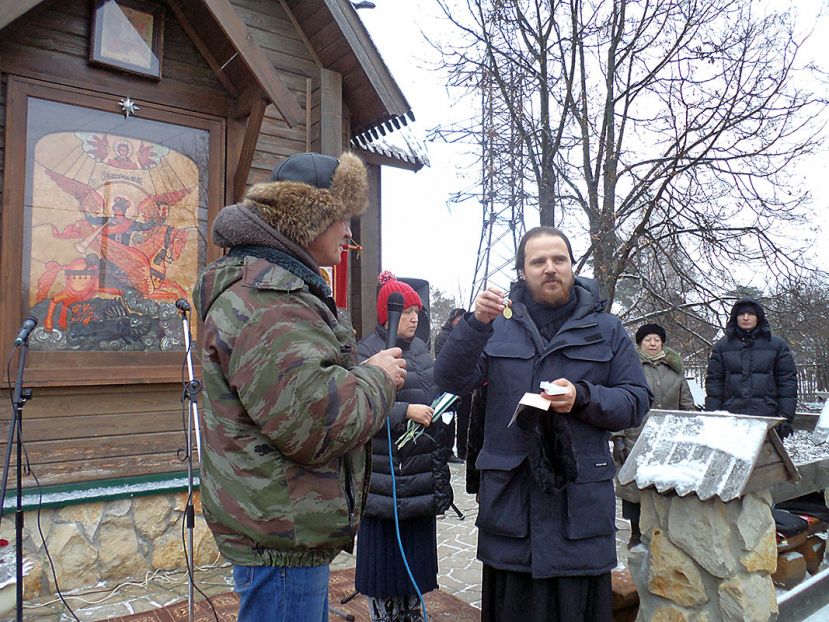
(288, 414)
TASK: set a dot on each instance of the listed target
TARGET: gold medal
(507, 312)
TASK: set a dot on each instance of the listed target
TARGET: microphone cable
(395, 310)
(186, 412)
(28, 469)
(397, 526)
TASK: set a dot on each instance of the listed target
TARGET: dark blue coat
(522, 528)
(422, 475)
(753, 375)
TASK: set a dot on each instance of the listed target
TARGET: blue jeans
(279, 594)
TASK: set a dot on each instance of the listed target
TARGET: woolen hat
(391, 285)
(649, 329)
(310, 191)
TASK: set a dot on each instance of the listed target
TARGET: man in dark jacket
(546, 518)
(751, 371)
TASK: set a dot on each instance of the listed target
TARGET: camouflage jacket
(287, 419)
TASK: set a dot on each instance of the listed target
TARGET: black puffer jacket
(421, 469)
(751, 373)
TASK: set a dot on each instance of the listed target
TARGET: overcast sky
(422, 237)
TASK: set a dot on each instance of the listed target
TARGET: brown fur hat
(310, 192)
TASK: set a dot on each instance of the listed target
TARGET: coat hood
(762, 322)
(239, 226)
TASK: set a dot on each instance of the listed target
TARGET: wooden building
(125, 125)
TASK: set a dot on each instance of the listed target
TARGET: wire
(187, 412)
(43, 538)
(397, 525)
(15, 420)
(160, 576)
(190, 576)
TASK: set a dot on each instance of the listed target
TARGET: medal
(507, 312)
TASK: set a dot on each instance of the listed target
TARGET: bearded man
(546, 521)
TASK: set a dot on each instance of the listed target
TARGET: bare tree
(667, 130)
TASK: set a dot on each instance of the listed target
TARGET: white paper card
(533, 400)
(552, 389)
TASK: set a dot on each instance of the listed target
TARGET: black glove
(784, 428)
(620, 451)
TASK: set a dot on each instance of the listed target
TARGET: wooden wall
(76, 434)
(84, 433)
(51, 42)
(284, 46)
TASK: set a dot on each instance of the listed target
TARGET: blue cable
(397, 525)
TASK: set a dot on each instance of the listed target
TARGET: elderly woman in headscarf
(666, 378)
(421, 476)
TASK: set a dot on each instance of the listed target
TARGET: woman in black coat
(421, 475)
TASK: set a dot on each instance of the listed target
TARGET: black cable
(37, 484)
(186, 412)
(13, 410)
(43, 538)
(189, 569)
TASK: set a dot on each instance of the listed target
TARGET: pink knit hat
(391, 285)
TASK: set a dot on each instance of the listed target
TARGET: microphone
(182, 305)
(28, 326)
(395, 309)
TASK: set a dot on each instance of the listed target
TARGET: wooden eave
(10, 10)
(342, 44)
(227, 46)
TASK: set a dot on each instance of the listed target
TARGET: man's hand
(489, 304)
(620, 451)
(392, 362)
(562, 403)
(420, 413)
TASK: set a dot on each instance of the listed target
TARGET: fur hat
(650, 329)
(391, 285)
(310, 191)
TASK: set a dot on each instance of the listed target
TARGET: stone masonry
(702, 561)
(104, 542)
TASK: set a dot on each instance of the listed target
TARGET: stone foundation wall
(106, 542)
(702, 561)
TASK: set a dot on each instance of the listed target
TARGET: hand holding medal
(490, 304)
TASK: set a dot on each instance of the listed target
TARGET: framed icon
(127, 35)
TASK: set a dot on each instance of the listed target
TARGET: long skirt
(380, 571)
(509, 596)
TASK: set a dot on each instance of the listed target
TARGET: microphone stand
(190, 393)
(19, 398)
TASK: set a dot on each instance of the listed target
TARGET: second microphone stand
(191, 390)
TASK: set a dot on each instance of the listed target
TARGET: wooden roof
(707, 454)
(218, 32)
(335, 32)
(342, 44)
